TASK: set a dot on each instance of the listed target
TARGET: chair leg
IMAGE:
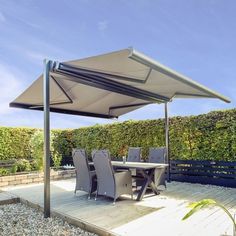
(114, 201)
(96, 196)
(89, 196)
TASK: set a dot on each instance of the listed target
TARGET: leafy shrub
(56, 157)
(34, 165)
(22, 165)
(62, 141)
(4, 171)
(14, 169)
(37, 150)
(36, 145)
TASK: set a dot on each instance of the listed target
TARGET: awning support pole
(46, 101)
(167, 141)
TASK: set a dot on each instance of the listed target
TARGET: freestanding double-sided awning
(105, 86)
(111, 85)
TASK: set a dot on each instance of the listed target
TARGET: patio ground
(154, 215)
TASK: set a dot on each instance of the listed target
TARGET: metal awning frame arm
(100, 81)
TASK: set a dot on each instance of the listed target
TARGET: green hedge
(14, 142)
(118, 137)
(205, 137)
(209, 136)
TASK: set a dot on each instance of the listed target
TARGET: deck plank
(155, 215)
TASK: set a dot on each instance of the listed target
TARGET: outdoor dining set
(112, 179)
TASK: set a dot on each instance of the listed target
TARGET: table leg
(147, 181)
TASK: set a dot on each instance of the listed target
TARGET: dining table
(147, 172)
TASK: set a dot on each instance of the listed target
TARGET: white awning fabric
(111, 85)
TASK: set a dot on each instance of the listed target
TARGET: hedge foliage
(209, 136)
(14, 143)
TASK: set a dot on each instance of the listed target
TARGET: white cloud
(2, 17)
(102, 25)
(10, 88)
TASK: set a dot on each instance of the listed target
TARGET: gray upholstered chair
(110, 183)
(158, 155)
(85, 179)
(134, 154)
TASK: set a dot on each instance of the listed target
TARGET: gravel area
(19, 219)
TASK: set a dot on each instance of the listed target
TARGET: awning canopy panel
(111, 85)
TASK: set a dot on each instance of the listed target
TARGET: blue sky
(193, 37)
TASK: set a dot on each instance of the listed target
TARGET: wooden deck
(154, 215)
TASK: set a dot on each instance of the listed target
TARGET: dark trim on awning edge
(130, 105)
(63, 111)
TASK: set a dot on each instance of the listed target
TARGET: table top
(138, 165)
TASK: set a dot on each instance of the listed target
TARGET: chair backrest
(134, 154)
(157, 155)
(81, 166)
(104, 170)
